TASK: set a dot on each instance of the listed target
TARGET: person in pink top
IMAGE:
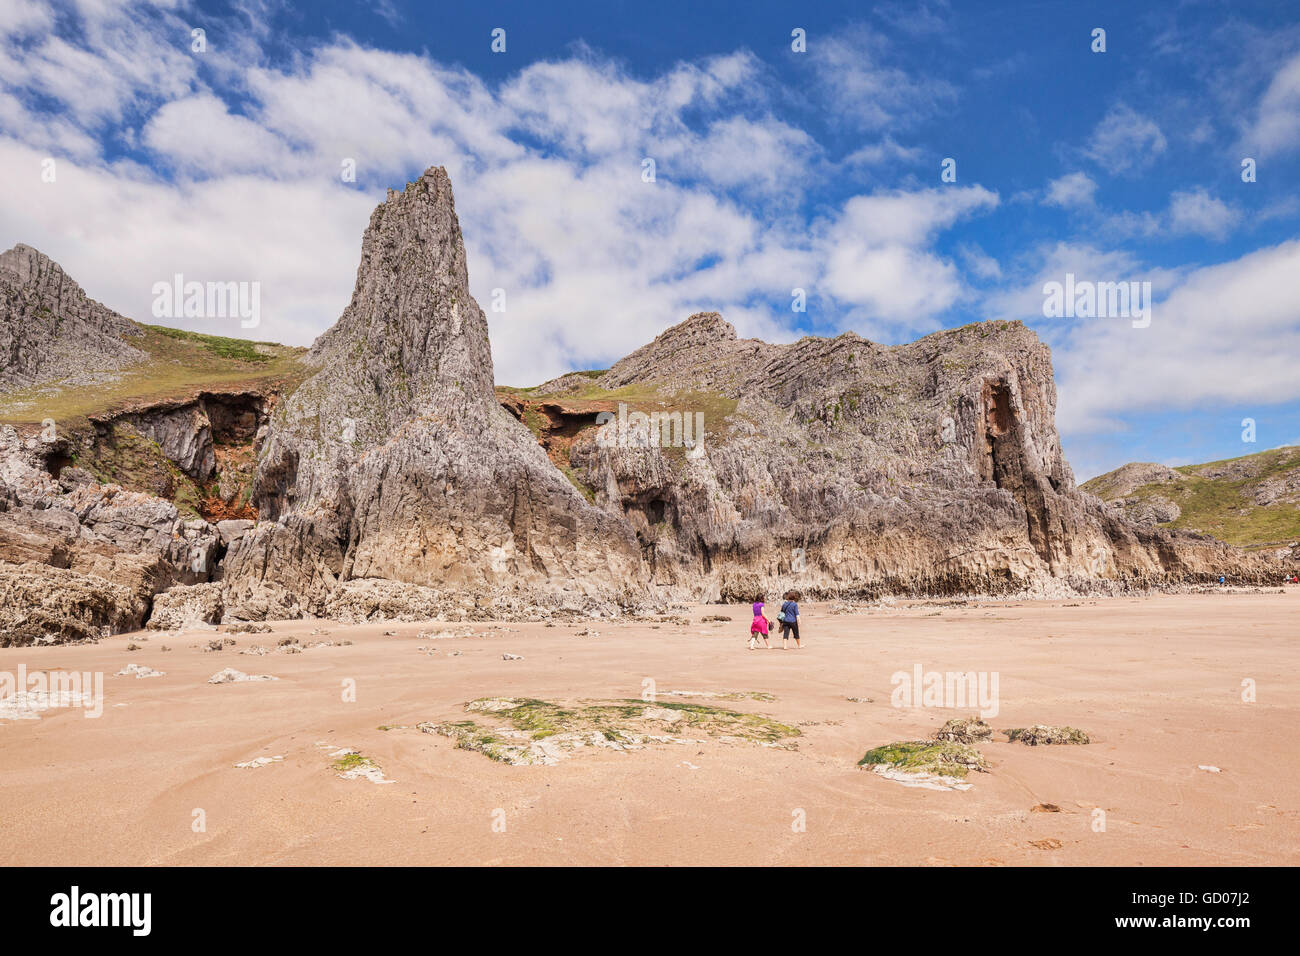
(759, 627)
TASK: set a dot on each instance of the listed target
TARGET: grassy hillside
(180, 364)
(1249, 501)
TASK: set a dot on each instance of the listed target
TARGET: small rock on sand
(965, 730)
(1041, 734)
(259, 761)
(661, 713)
(232, 676)
(139, 670)
(249, 627)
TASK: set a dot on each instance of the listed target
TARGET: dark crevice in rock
(1008, 469)
(276, 480)
(56, 459)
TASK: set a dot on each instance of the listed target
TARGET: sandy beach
(1156, 681)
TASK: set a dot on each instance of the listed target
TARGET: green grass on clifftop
(180, 364)
(1218, 497)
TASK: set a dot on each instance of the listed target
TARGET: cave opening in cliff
(234, 419)
(1005, 463)
(555, 426)
(647, 514)
(55, 461)
(998, 424)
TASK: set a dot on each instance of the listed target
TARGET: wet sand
(1157, 682)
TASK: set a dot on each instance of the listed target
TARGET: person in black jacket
(790, 618)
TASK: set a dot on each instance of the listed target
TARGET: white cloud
(910, 217)
(1196, 212)
(1125, 141)
(868, 92)
(1276, 128)
(920, 19)
(1225, 333)
(875, 255)
(978, 262)
(885, 151)
(893, 282)
(198, 133)
(764, 157)
(1074, 190)
(19, 17)
(122, 59)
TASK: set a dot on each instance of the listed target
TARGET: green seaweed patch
(538, 718)
(468, 735)
(539, 731)
(352, 762)
(943, 758)
(543, 718)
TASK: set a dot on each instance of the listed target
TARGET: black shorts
(787, 627)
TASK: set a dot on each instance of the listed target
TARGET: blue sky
(774, 170)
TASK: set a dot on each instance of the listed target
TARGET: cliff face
(79, 558)
(382, 475)
(843, 467)
(394, 460)
(51, 330)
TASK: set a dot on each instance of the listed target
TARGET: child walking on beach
(759, 627)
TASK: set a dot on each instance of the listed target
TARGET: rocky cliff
(122, 448)
(78, 558)
(52, 330)
(394, 460)
(840, 466)
(381, 474)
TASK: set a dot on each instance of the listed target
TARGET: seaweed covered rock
(1042, 734)
(524, 731)
(941, 764)
(965, 730)
(919, 756)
